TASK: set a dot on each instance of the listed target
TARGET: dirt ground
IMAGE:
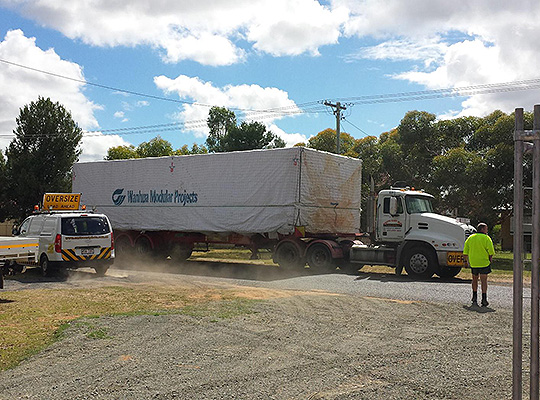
(290, 345)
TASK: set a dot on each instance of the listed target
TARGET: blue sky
(259, 55)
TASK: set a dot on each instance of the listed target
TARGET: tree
(121, 153)
(250, 136)
(220, 122)
(326, 141)
(157, 147)
(41, 156)
(226, 135)
(4, 195)
(195, 149)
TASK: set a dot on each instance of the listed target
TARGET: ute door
(391, 219)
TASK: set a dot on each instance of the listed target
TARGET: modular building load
(302, 204)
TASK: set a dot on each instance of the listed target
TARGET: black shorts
(483, 270)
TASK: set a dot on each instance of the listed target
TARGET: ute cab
(70, 238)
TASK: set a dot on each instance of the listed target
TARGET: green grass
(30, 320)
(233, 254)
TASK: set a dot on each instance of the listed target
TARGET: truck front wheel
(448, 272)
(319, 258)
(420, 262)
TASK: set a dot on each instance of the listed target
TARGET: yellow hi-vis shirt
(478, 247)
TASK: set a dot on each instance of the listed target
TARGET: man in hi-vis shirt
(478, 253)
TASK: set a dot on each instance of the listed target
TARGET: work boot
(474, 300)
(485, 303)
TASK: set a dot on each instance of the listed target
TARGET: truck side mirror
(393, 206)
(15, 231)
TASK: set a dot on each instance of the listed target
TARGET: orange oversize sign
(61, 201)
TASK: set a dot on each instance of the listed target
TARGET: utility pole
(337, 112)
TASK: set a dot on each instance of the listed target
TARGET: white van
(71, 239)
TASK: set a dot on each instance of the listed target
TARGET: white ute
(70, 238)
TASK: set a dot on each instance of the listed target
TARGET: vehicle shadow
(217, 269)
(392, 277)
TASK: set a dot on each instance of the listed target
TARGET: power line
(311, 107)
(361, 130)
(183, 102)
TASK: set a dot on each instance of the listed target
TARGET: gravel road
(335, 336)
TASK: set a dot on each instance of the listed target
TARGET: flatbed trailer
(13, 249)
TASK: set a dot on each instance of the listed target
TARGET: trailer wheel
(288, 256)
(180, 252)
(319, 258)
(448, 272)
(123, 246)
(420, 262)
(143, 247)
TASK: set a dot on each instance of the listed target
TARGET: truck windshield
(418, 204)
(85, 226)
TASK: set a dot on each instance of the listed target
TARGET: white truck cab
(70, 238)
(405, 219)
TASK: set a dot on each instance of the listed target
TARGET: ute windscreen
(85, 226)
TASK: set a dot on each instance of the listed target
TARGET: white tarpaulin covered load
(259, 191)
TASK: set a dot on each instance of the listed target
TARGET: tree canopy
(40, 157)
(466, 163)
(156, 147)
(225, 135)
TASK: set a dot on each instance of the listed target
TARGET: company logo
(118, 197)
(153, 196)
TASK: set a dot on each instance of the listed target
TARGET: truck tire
(288, 256)
(123, 247)
(319, 258)
(420, 262)
(448, 272)
(180, 252)
(143, 247)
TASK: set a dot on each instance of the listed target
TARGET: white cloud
(206, 31)
(22, 86)
(456, 45)
(257, 103)
(95, 146)
(119, 114)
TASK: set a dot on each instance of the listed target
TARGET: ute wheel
(448, 272)
(46, 267)
(319, 258)
(180, 252)
(420, 262)
(101, 269)
(288, 256)
(143, 247)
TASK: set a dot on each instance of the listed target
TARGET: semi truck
(302, 204)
